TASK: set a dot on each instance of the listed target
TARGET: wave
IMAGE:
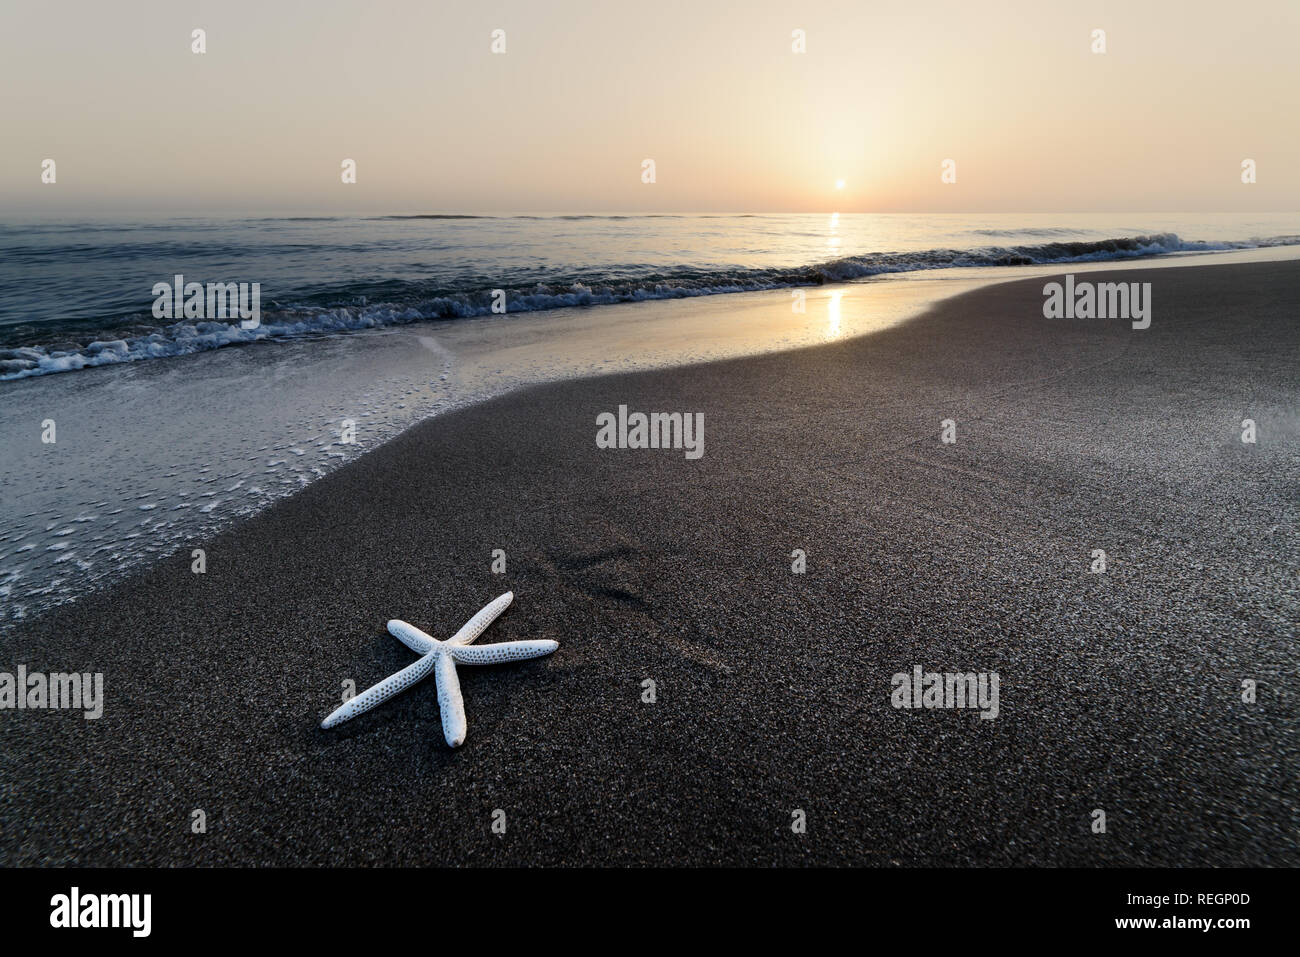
(344, 310)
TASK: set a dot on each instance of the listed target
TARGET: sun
(839, 184)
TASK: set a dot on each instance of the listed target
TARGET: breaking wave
(344, 310)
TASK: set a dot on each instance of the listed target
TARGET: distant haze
(710, 90)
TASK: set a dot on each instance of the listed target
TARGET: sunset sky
(710, 90)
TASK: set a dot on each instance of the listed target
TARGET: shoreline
(133, 479)
(773, 688)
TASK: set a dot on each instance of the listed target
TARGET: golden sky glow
(711, 91)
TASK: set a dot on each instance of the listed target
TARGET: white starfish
(441, 657)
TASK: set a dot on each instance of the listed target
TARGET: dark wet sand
(1119, 691)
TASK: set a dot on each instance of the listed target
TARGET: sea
(130, 432)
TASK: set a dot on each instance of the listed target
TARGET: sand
(1118, 691)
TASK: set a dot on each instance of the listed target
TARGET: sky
(711, 91)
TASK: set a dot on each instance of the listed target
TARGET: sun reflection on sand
(833, 315)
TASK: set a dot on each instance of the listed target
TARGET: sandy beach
(1119, 691)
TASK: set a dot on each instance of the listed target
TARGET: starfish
(441, 657)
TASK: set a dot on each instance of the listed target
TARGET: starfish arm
(478, 624)
(379, 693)
(502, 651)
(411, 636)
(450, 702)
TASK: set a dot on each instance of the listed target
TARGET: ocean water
(78, 295)
(167, 430)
